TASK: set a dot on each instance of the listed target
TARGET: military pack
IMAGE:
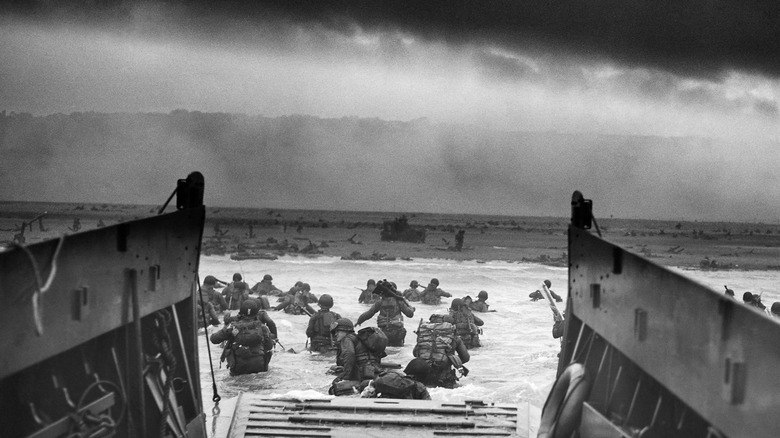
(250, 333)
(436, 341)
(391, 384)
(463, 324)
(374, 339)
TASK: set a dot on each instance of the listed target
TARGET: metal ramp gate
(259, 416)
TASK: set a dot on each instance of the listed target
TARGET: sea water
(518, 358)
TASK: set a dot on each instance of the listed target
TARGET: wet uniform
(319, 331)
(390, 318)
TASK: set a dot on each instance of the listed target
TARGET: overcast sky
(681, 68)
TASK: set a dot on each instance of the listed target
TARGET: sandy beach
(267, 232)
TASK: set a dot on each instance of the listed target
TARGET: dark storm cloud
(693, 38)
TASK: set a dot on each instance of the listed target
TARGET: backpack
(374, 339)
(436, 317)
(321, 337)
(391, 384)
(324, 319)
(463, 324)
(435, 342)
(250, 333)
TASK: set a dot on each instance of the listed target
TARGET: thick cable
(216, 398)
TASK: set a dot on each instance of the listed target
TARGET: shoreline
(699, 245)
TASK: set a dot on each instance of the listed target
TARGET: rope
(40, 290)
(216, 398)
(160, 211)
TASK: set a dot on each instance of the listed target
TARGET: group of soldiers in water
(442, 345)
(754, 300)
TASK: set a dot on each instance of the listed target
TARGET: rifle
(387, 288)
(556, 313)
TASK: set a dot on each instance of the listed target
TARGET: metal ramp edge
(263, 416)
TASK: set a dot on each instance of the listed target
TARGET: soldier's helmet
(237, 277)
(456, 304)
(483, 295)
(325, 301)
(342, 324)
(414, 283)
(248, 307)
(267, 277)
(210, 280)
(548, 283)
(418, 367)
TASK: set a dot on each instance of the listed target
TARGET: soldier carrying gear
(412, 294)
(298, 303)
(236, 292)
(432, 294)
(465, 323)
(390, 307)
(406, 385)
(266, 287)
(249, 345)
(367, 295)
(480, 305)
(354, 360)
(537, 295)
(319, 326)
(442, 349)
(213, 297)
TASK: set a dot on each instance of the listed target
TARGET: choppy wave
(516, 363)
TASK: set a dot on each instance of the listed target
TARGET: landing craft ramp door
(664, 355)
(351, 417)
(99, 336)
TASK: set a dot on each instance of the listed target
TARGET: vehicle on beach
(101, 340)
(399, 229)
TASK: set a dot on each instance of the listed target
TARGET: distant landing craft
(400, 230)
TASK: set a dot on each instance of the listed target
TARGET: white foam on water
(518, 358)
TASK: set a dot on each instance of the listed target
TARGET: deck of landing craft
(250, 415)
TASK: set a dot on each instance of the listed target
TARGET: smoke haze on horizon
(688, 69)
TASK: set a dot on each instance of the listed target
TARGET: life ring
(562, 410)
